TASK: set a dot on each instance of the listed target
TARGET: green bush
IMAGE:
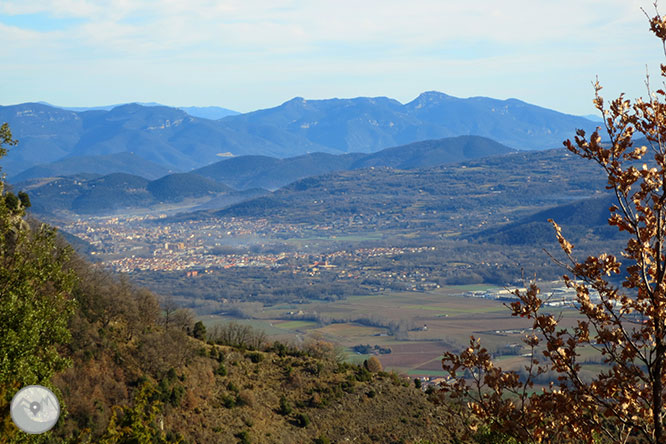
(285, 406)
(362, 374)
(256, 357)
(302, 420)
(243, 437)
(487, 436)
(176, 395)
(229, 401)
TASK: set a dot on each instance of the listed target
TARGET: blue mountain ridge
(179, 142)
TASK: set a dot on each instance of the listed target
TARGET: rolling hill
(270, 172)
(466, 197)
(458, 199)
(218, 181)
(586, 217)
(176, 187)
(267, 172)
(118, 191)
(430, 153)
(124, 162)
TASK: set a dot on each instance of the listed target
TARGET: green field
(296, 325)
(434, 322)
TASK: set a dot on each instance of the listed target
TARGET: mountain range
(178, 142)
(460, 199)
(124, 162)
(206, 112)
(367, 124)
(86, 193)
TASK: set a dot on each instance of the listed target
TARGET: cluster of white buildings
(555, 296)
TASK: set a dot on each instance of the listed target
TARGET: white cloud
(235, 40)
(419, 22)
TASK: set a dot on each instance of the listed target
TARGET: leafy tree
(35, 303)
(11, 201)
(6, 139)
(199, 330)
(626, 325)
(25, 199)
(140, 423)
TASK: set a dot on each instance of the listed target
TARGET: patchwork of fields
(416, 326)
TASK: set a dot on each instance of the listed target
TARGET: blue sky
(252, 54)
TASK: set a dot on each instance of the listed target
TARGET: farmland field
(417, 327)
(295, 325)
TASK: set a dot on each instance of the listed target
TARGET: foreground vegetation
(624, 400)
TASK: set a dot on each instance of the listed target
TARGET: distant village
(196, 248)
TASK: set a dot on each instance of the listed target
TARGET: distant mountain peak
(428, 98)
(432, 94)
(127, 107)
(298, 100)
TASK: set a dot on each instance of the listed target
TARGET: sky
(253, 54)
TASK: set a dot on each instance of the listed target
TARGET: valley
(377, 252)
(374, 259)
(326, 223)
